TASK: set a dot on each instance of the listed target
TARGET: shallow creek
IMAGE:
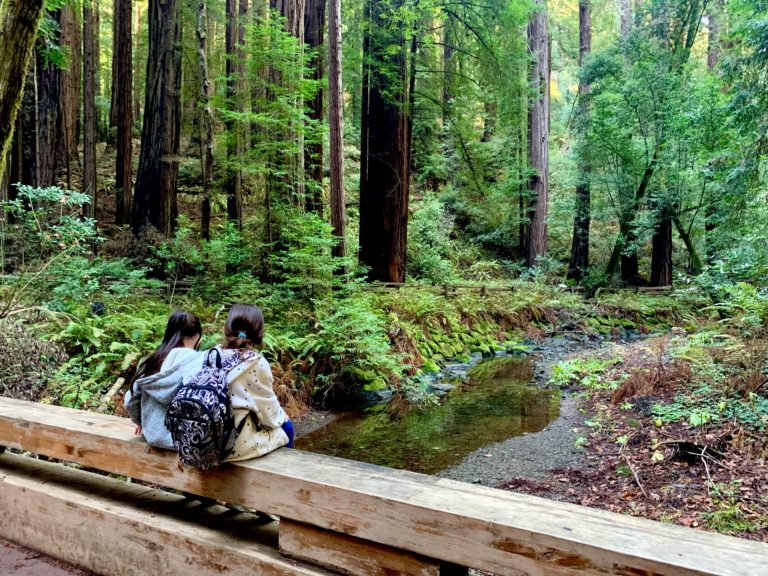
(491, 401)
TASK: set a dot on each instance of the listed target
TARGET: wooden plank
(497, 531)
(115, 528)
(350, 555)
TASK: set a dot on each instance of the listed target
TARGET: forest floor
(647, 446)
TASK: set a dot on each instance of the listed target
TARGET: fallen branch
(106, 400)
(634, 473)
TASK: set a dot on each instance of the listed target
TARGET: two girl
(261, 422)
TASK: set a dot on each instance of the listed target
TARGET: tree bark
(49, 120)
(314, 23)
(538, 134)
(625, 18)
(90, 43)
(24, 161)
(69, 91)
(19, 21)
(206, 119)
(580, 245)
(234, 180)
(123, 56)
(385, 156)
(154, 202)
(336, 128)
(116, 38)
(713, 40)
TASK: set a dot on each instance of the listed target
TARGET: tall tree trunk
(661, 258)
(625, 17)
(713, 55)
(24, 161)
(713, 40)
(69, 91)
(336, 127)
(538, 133)
(206, 118)
(233, 185)
(124, 104)
(49, 119)
(385, 156)
(154, 201)
(314, 22)
(580, 245)
(117, 7)
(19, 21)
(90, 43)
(137, 86)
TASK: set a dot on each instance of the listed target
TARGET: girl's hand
(138, 430)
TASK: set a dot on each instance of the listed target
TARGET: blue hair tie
(242, 335)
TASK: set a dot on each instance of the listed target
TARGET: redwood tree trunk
(19, 22)
(154, 202)
(69, 92)
(24, 161)
(124, 106)
(206, 120)
(336, 127)
(314, 22)
(90, 40)
(538, 134)
(580, 246)
(49, 120)
(233, 185)
(116, 37)
(385, 151)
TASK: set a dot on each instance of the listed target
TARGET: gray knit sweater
(148, 400)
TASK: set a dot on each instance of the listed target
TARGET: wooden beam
(115, 528)
(350, 555)
(492, 530)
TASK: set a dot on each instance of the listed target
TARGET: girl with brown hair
(261, 423)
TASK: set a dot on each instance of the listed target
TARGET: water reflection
(496, 403)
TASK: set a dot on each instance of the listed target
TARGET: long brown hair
(180, 325)
(244, 327)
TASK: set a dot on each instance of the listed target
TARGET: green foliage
(585, 372)
(429, 244)
(729, 517)
(303, 266)
(354, 337)
(50, 225)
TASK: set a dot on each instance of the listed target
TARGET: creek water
(493, 401)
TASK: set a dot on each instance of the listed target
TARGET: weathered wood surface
(500, 532)
(350, 555)
(115, 528)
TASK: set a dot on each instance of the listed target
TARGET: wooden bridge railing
(346, 516)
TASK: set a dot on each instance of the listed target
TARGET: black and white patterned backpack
(200, 416)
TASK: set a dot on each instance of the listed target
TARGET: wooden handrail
(493, 530)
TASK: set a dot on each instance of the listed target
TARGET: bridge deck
(492, 530)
